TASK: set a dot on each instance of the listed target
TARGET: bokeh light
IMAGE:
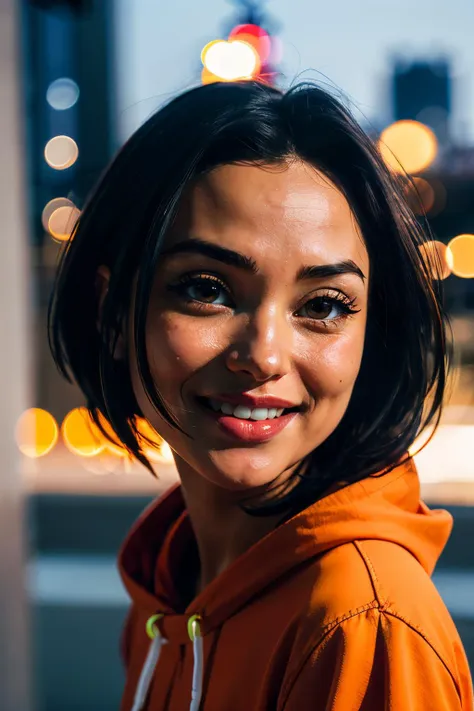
(112, 444)
(408, 146)
(207, 77)
(36, 432)
(80, 433)
(61, 152)
(438, 259)
(230, 60)
(154, 447)
(461, 252)
(255, 36)
(62, 94)
(421, 196)
(51, 206)
(440, 197)
(62, 222)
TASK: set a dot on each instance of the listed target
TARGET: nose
(263, 349)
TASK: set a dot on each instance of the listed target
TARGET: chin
(241, 470)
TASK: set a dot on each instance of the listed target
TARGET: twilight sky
(351, 44)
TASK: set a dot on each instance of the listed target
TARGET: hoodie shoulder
(377, 574)
(404, 590)
(373, 660)
(341, 586)
(367, 595)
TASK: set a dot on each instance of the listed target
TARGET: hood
(160, 550)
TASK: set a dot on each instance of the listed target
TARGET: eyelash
(188, 280)
(333, 296)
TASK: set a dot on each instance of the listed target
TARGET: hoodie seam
(326, 634)
(322, 641)
(379, 596)
(417, 630)
(386, 607)
(342, 618)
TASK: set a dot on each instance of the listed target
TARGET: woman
(247, 277)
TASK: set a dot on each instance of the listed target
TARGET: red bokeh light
(257, 37)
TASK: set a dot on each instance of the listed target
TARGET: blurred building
(69, 92)
(421, 91)
(70, 115)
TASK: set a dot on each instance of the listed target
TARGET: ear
(102, 282)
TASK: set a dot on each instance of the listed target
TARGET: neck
(222, 529)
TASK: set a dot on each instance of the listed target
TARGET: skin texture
(264, 335)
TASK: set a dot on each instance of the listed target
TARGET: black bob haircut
(401, 384)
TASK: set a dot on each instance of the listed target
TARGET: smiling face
(259, 305)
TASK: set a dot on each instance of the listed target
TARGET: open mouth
(243, 412)
(251, 425)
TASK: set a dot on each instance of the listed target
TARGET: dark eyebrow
(195, 245)
(221, 254)
(329, 270)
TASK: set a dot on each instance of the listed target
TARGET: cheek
(332, 369)
(178, 346)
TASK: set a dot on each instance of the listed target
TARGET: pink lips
(253, 430)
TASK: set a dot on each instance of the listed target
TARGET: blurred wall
(14, 372)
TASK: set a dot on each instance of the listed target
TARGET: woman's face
(256, 323)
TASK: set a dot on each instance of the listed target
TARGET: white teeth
(243, 412)
(260, 413)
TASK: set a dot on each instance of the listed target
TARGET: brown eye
(328, 308)
(321, 308)
(202, 289)
(205, 290)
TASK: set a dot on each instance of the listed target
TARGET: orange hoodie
(333, 610)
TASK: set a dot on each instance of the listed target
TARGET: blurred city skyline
(351, 46)
(112, 65)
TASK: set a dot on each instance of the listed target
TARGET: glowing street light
(408, 146)
(230, 60)
(81, 435)
(36, 432)
(51, 206)
(154, 447)
(461, 252)
(437, 258)
(62, 221)
(61, 152)
(62, 94)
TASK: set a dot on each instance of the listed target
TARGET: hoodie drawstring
(194, 631)
(157, 641)
(151, 661)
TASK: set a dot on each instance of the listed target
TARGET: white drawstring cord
(157, 641)
(194, 631)
(151, 661)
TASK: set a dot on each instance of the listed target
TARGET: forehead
(275, 214)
